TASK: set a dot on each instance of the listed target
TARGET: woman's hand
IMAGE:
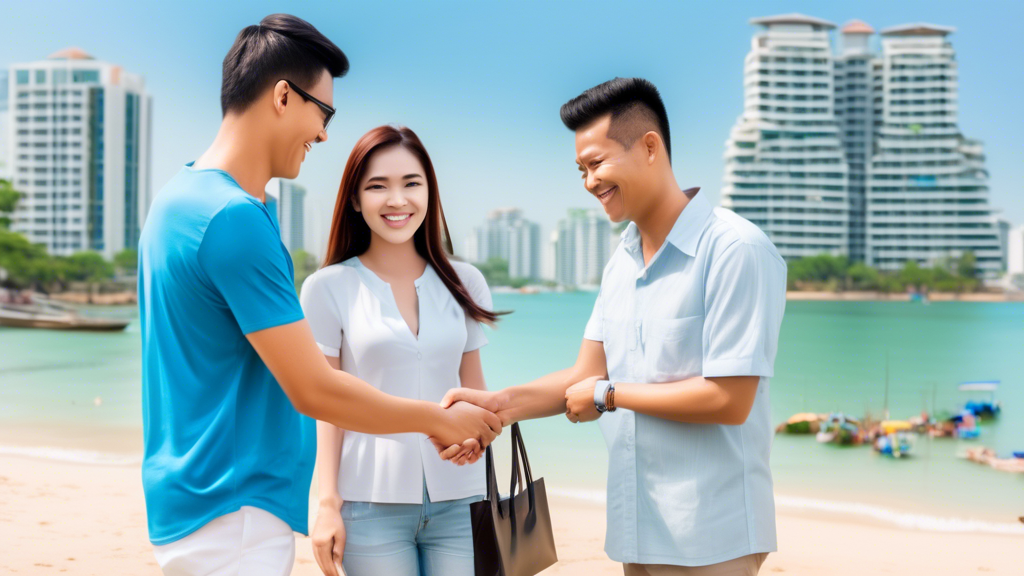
(329, 538)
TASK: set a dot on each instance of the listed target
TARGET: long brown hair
(350, 235)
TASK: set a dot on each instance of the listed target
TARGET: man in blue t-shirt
(230, 366)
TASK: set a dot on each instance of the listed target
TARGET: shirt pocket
(673, 348)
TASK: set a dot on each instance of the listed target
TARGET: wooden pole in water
(886, 409)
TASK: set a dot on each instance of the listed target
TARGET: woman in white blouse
(389, 307)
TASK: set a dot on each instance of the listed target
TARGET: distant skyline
(481, 83)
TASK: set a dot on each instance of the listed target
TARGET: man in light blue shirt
(677, 355)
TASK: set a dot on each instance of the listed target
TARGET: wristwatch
(604, 396)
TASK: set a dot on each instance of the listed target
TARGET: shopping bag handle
(519, 446)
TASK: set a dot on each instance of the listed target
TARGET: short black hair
(282, 46)
(635, 106)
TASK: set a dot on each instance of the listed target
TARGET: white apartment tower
(287, 202)
(79, 133)
(854, 98)
(785, 166)
(869, 164)
(927, 192)
(582, 248)
(509, 236)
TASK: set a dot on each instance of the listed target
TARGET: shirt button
(419, 356)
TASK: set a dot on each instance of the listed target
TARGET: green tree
(860, 276)
(817, 270)
(127, 261)
(26, 263)
(87, 267)
(965, 265)
(304, 264)
(913, 275)
(495, 271)
(8, 201)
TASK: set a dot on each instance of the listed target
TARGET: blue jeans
(429, 539)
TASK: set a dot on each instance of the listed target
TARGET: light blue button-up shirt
(710, 303)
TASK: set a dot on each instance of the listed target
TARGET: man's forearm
(349, 403)
(541, 398)
(695, 400)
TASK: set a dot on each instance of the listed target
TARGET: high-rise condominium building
(859, 154)
(583, 247)
(786, 168)
(287, 201)
(5, 138)
(509, 236)
(927, 193)
(80, 153)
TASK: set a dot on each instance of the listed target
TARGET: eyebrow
(385, 178)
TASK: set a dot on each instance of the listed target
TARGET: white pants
(249, 542)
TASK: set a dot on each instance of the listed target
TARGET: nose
(322, 136)
(592, 182)
(396, 199)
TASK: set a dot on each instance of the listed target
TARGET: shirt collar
(685, 232)
(691, 223)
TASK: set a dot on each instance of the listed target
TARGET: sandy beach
(58, 517)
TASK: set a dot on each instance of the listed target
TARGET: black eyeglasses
(328, 111)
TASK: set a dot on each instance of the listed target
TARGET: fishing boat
(841, 429)
(802, 423)
(988, 457)
(49, 315)
(982, 409)
(894, 438)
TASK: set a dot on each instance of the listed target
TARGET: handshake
(472, 418)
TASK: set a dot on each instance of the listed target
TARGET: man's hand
(463, 421)
(579, 401)
(485, 399)
(470, 450)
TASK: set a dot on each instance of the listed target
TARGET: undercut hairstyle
(281, 47)
(635, 106)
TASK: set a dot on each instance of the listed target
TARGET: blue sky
(481, 82)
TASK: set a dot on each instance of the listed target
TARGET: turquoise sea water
(832, 356)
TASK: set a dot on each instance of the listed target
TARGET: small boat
(988, 457)
(982, 409)
(841, 429)
(802, 423)
(51, 316)
(894, 438)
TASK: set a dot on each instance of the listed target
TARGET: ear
(355, 203)
(281, 93)
(652, 146)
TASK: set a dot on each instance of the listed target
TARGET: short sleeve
(244, 260)
(323, 313)
(475, 283)
(595, 326)
(744, 301)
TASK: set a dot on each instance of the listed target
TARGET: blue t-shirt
(219, 431)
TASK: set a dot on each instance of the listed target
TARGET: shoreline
(810, 295)
(120, 447)
(95, 515)
(131, 299)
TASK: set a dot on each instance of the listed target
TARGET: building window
(84, 76)
(40, 76)
(22, 77)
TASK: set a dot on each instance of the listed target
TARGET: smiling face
(393, 195)
(300, 124)
(613, 174)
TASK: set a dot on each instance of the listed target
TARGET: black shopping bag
(513, 537)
